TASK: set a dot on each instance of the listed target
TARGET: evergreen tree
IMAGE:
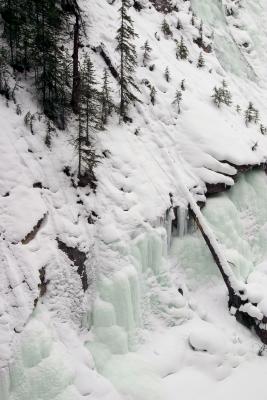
(18, 109)
(263, 129)
(222, 95)
(147, 50)
(128, 63)
(177, 100)
(183, 85)
(89, 100)
(107, 104)
(51, 60)
(251, 114)
(76, 79)
(88, 122)
(34, 32)
(62, 96)
(201, 33)
(29, 120)
(201, 61)
(182, 50)
(153, 93)
(167, 74)
(87, 157)
(49, 131)
(4, 74)
(165, 27)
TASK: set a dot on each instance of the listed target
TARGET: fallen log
(246, 312)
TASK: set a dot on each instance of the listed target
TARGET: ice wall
(228, 53)
(239, 219)
(117, 310)
(131, 299)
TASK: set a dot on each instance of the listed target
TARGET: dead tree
(75, 96)
(240, 305)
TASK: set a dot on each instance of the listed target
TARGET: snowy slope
(131, 334)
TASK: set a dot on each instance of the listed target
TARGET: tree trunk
(75, 97)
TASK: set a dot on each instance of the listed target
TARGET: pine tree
(87, 157)
(62, 96)
(167, 74)
(18, 109)
(263, 129)
(183, 85)
(201, 33)
(89, 99)
(76, 78)
(153, 93)
(147, 50)
(4, 74)
(177, 100)
(222, 95)
(88, 123)
(107, 104)
(251, 114)
(201, 61)
(34, 33)
(29, 120)
(182, 50)
(50, 59)
(128, 63)
(165, 27)
(50, 129)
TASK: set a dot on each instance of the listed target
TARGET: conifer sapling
(153, 93)
(263, 129)
(177, 100)
(107, 104)
(167, 74)
(147, 50)
(182, 50)
(165, 27)
(222, 95)
(251, 114)
(201, 61)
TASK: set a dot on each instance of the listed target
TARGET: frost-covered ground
(132, 335)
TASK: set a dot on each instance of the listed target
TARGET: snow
(132, 335)
(19, 220)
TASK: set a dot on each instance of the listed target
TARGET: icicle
(182, 216)
(168, 225)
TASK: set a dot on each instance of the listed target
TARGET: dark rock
(78, 258)
(137, 5)
(213, 188)
(66, 170)
(37, 185)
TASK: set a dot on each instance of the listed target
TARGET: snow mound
(206, 337)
